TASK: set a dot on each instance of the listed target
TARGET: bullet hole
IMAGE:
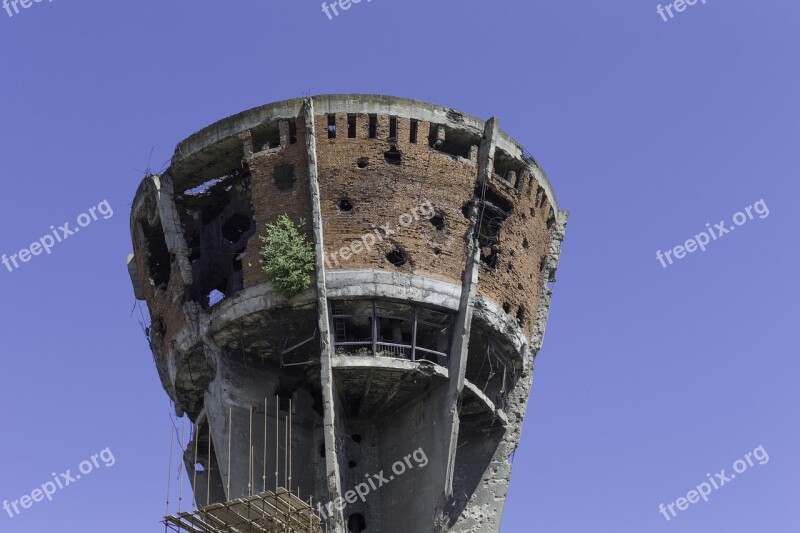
(438, 221)
(521, 314)
(356, 438)
(363, 162)
(351, 464)
(512, 253)
(507, 307)
(437, 250)
(525, 244)
(344, 205)
(396, 258)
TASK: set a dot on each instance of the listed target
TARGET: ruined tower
(436, 240)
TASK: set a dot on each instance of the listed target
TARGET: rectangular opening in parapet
(413, 131)
(292, 130)
(508, 168)
(331, 126)
(266, 137)
(351, 126)
(456, 142)
(392, 128)
(373, 126)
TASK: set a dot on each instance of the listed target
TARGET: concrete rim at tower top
(353, 103)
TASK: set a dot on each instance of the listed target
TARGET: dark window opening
(392, 128)
(331, 126)
(373, 126)
(158, 256)
(412, 134)
(292, 131)
(351, 126)
(356, 523)
(284, 177)
(393, 156)
(344, 205)
(363, 162)
(235, 227)
(396, 258)
(353, 404)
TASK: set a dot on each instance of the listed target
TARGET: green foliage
(287, 256)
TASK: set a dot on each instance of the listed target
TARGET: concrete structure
(423, 341)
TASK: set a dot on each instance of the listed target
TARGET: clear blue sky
(649, 377)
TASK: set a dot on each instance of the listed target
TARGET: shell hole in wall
(396, 258)
(363, 162)
(284, 177)
(438, 221)
(393, 156)
(356, 438)
(344, 205)
(356, 523)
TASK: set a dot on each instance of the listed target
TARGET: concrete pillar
(335, 522)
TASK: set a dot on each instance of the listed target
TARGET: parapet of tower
(423, 341)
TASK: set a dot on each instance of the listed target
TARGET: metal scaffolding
(267, 512)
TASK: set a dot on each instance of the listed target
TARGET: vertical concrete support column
(460, 348)
(336, 521)
(171, 223)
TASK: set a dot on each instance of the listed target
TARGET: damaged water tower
(420, 340)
